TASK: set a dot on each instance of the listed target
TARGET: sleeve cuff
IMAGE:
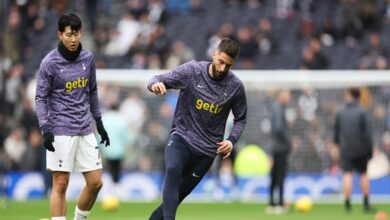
(45, 129)
(232, 139)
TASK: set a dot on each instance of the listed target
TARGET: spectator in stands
(308, 59)
(11, 37)
(353, 134)
(352, 26)
(320, 60)
(123, 37)
(249, 48)
(266, 38)
(180, 53)
(281, 147)
(328, 33)
(375, 46)
(15, 147)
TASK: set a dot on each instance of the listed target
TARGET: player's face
(70, 39)
(221, 64)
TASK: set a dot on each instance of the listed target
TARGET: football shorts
(74, 153)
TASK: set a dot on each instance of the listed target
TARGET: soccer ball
(381, 215)
(304, 204)
(110, 203)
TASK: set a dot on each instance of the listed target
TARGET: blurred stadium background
(316, 48)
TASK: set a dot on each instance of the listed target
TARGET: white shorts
(74, 153)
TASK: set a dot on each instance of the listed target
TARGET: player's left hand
(225, 148)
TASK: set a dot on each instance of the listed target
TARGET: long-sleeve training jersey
(66, 94)
(204, 105)
(353, 131)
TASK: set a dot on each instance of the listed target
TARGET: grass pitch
(39, 209)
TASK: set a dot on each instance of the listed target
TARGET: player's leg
(281, 177)
(90, 192)
(365, 188)
(197, 169)
(88, 161)
(347, 189)
(188, 181)
(60, 163)
(273, 184)
(347, 167)
(361, 167)
(114, 167)
(57, 196)
(177, 156)
(233, 156)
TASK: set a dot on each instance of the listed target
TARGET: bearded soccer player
(66, 94)
(208, 92)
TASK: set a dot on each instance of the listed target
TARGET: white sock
(80, 214)
(58, 218)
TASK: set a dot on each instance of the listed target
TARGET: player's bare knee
(95, 185)
(61, 186)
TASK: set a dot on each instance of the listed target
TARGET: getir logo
(214, 109)
(79, 83)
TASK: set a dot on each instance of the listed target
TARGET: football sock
(58, 218)
(80, 214)
(347, 204)
(366, 203)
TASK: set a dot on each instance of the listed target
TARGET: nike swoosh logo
(194, 175)
(199, 86)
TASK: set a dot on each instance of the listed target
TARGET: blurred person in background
(281, 147)
(15, 147)
(120, 139)
(208, 92)
(353, 135)
(66, 95)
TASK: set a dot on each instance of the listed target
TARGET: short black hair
(229, 46)
(71, 20)
(355, 92)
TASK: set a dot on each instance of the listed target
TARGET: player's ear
(59, 35)
(213, 53)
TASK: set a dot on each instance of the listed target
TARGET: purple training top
(204, 105)
(66, 93)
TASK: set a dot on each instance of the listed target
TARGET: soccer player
(208, 91)
(281, 146)
(66, 94)
(353, 134)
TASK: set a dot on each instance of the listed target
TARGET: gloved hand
(370, 153)
(102, 132)
(48, 139)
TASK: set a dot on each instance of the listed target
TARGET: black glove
(369, 155)
(48, 139)
(102, 132)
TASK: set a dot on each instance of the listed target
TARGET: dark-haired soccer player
(66, 94)
(353, 134)
(208, 91)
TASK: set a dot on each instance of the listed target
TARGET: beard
(217, 75)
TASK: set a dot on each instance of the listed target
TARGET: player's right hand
(48, 139)
(159, 88)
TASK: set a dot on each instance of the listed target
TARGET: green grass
(35, 210)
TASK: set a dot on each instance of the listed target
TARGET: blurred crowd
(158, 34)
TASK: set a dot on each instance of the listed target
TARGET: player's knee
(172, 171)
(60, 186)
(95, 185)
